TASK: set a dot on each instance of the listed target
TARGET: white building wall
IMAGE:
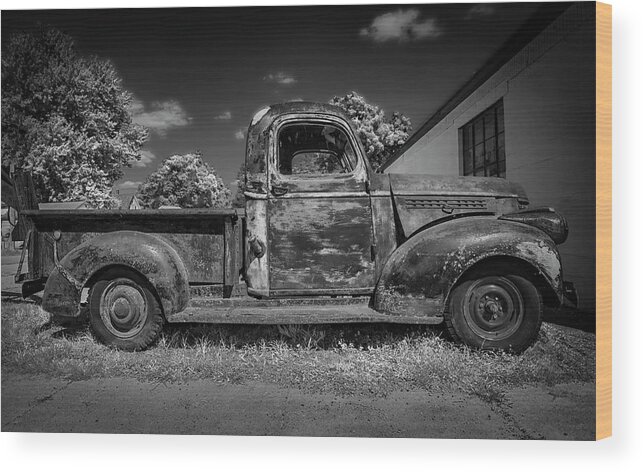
(548, 93)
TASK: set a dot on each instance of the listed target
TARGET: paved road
(257, 409)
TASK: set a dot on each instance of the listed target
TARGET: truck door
(319, 214)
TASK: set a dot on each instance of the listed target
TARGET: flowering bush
(184, 181)
(381, 137)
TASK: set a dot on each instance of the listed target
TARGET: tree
(184, 181)
(65, 119)
(381, 137)
(240, 199)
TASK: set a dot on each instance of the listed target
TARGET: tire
(495, 312)
(124, 313)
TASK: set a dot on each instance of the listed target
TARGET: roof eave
(528, 31)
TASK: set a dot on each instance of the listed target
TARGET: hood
(422, 200)
(447, 185)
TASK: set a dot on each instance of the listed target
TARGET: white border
(68, 452)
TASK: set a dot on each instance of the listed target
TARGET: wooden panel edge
(603, 220)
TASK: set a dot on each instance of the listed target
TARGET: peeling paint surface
(430, 263)
(546, 255)
(196, 235)
(320, 243)
(155, 259)
(256, 269)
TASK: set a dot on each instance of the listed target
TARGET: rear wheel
(123, 311)
(502, 312)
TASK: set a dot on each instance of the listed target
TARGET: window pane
(489, 124)
(490, 151)
(315, 162)
(467, 157)
(501, 146)
(500, 117)
(479, 156)
(492, 171)
(467, 137)
(478, 133)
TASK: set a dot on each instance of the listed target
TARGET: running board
(293, 314)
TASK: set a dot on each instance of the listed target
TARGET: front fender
(147, 254)
(420, 274)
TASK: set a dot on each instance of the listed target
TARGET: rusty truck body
(322, 239)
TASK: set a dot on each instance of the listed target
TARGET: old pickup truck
(323, 239)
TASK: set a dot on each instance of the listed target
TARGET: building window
(482, 144)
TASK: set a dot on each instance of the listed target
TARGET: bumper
(30, 287)
(61, 297)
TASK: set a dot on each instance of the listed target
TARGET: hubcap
(493, 308)
(123, 308)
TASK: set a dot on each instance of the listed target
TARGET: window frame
(358, 173)
(469, 146)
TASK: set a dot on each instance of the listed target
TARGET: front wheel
(124, 313)
(499, 312)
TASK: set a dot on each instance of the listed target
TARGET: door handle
(278, 191)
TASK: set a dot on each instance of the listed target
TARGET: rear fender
(419, 276)
(144, 253)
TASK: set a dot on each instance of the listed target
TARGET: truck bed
(207, 240)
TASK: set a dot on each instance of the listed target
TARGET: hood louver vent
(432, 203)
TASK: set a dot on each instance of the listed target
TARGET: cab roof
(264, 117)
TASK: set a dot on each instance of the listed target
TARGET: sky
(198, 75)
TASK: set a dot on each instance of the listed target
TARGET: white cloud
(146, 158)
(280, 78)
(239, 135)
(481, 9)
(160, 117)
(129, 184)
(401, 25)
(226, 115)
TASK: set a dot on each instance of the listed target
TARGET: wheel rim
(494, 308)
(123, 308)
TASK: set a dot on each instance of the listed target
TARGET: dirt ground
(39, 404)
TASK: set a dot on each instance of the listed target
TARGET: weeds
(342, 359)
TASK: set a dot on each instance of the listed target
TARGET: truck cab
(308, 202)
(323, 239)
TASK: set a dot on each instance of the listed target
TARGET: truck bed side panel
(197, 236)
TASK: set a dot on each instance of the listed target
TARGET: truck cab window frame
(314, 150)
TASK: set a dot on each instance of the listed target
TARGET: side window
(314, 149)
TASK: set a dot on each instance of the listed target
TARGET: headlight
(547, 220)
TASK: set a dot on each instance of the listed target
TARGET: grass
(340, 359)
